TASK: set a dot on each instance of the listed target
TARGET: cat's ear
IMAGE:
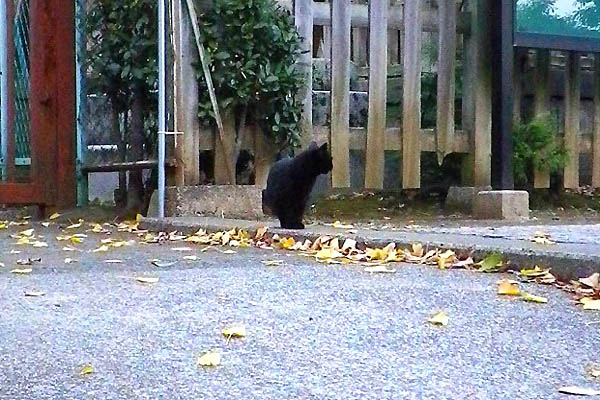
(323, 147)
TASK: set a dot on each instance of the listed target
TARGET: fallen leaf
(34, 293)
(40, 244)
(491, 263)
(75, 226)
(69, 248)
(261, 232)
(592, 305)
(287, 242)
(163, 264)
(594, 371)
(100, 249)
(22, 271)
(143, 279)
(439, 319)
(86, 370)
(591, 281)
(339, 225)
(234, 331)
(13, 251)
(542, 238)
(417, 250)
(228, 252)
(272, 263)
(46, 224)
(209, 359)
(380, 268)
(2, 265)
(28, 232)
(535, 272)
(28, 261)
(446, 258)
(54, 216)
(508, 288)
(349, 246)
(579, 391)
(190, 258)
(69, 260)
(328, 254)
(533, 298)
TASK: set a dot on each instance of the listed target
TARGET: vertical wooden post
(541, 105)
(572, 99)
(481, 141)
(303, 14)
(224, 151)
(596, 139)
(375, 153)
(359, 46)
(187, 146)
(340, 93)
(446, 79)
(264, 157)
(411, 103)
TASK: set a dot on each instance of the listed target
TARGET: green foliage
(252, 46)
(536, 147)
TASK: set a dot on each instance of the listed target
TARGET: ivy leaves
(252, 47)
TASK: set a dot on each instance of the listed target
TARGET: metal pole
(3, 86)
(161, 108)
(81, 99)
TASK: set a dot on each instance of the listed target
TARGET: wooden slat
(541, 105)
(393, 41)
(224, 151)
(264, 157)
(596, 137)
(446, 78)
(378, 46)
(572, 107)
(187, 147)
(304, 22)
(359, 46)
(340, 93)
(360, 17)
(519, 68)
(482, 88)
(411, 95)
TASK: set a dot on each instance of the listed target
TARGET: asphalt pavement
(314, 331)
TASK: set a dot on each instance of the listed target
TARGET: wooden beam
(303, 17)
(378, 46)
(596, 137)
(541, 105)
(572, 107)
(411, 95)
(446, 79)
(340, 93)
(22, 193)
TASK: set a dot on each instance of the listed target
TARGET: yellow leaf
(439, 319)
(34, 293)
(533, 298)
(86, 370)
(23, 240)
(210, 359)
(143, 279)
(3, 225)
(579, 391)
(75, 226)
(22, 271)
(287, 242)
(380, 268)
(272, 263)
(417, 250)
(138, 218)
(100, 249)
(377, 254)
(328, 254)
(28, 232)
(446, 258)
(97, 228)
(535, 272)
(76, 240)
(234, 331)
(54, 216)
(508, 288)
(591, 305)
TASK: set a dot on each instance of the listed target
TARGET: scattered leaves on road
(491, 263)
(533, 298)
(542, 238)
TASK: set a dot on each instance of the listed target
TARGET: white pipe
(161, 108)
(3, 84)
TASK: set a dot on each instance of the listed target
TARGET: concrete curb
(568, 261)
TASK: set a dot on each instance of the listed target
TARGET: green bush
(536, 147)
(253, 46)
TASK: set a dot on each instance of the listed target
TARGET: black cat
(290, 182)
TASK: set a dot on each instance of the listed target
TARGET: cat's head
(323, 160)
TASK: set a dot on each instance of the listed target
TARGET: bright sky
(564, 7)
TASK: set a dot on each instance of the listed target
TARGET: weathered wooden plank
(572, 107)
(224, 150)
(393, 40)
(359, 46)
(411, 95)
(446, 78)
(519, 68)
(378, 46)
(596, 137)
(360, 16)
(541, 105)
(326, 43)
(303, 17)
(340, 93)
(264, 157)
(187, 146)
(482, 88)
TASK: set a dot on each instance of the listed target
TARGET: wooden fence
(393, 31)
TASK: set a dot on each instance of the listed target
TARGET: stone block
(242, 201)
(461, 198)
(501, 204)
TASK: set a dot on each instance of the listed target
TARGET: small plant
(253, 46)
(536, 147)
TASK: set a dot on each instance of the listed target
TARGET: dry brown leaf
(592, 281)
